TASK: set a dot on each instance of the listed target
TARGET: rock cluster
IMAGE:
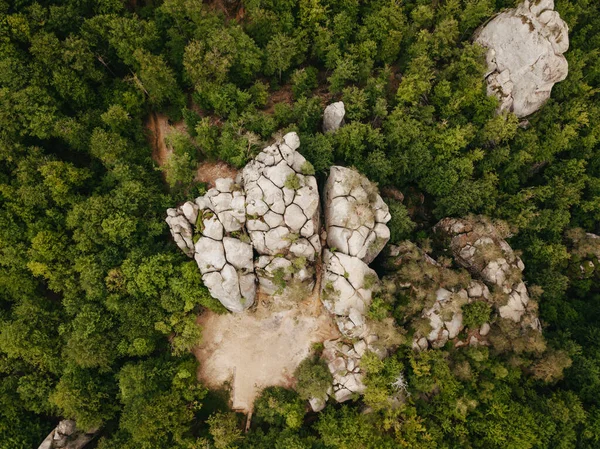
(355, 222)
(493, 279)
(525, 59)
(66, 436)
(221, 247)
(477, 246)
(333, 117)
(272, 208)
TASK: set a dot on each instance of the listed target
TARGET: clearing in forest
(260, 348)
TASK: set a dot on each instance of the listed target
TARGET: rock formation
(67, 436)
(477, 246)
(333, 117)
(525, 59)
(220, 245)
(355, 215)
(273, 209)
(490, 282)
(355, 222)
(283, 215)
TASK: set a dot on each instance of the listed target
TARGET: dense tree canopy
(97, 306)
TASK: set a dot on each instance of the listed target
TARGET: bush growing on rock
(313, 378)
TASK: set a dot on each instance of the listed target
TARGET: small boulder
(333, 117)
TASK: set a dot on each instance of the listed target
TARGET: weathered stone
(333, 117)
(352, 209)
(525, 59)
(66, 435)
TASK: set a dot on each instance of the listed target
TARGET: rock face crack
(525, 59)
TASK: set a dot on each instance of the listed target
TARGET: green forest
(98, 306)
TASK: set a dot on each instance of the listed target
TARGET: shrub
(313, 378)
(475, 314)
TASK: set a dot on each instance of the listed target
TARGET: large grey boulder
(282, 200)
(333, 117)
(525, 59)
(212, 231)
(66, 435)
(355, 215)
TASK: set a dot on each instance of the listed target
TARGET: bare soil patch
(262, 348)
(158, 127)
(282, 95)
(209, 171)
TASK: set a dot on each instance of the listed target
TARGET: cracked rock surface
(343, 361)
(273, 209)
(477, 246)
(487, 275)
(264, 228)
(355, 220)
(355, 215)
(282, 200)
(525, 59)
(215, 224)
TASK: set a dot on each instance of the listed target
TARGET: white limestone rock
(355, 214)
(66, 435)
(333, 117)
(525, 59)
(181, 230)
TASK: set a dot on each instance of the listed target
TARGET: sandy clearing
(261, 348)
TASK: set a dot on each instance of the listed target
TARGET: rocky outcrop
(346, 291)
(355, 215)
(477, 246)
(525, 59)
(355, 218)
(333, 117)
(181, 230)
(482, 300)
(283, 215)
(273, 209)
(66, 436)
(215, 224)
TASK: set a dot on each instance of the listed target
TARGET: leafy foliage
(97, 306)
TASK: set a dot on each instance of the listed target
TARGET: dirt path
(158, 128)
(259, 349)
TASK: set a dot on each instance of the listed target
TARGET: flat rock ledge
(525, 59)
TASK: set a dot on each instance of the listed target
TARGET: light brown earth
(158, 128)
(262, 348)
(209, 171)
